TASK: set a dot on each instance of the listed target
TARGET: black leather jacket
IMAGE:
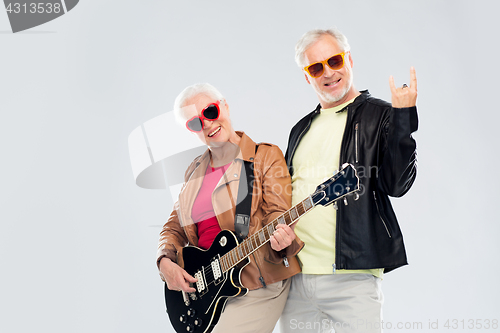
(377, 141)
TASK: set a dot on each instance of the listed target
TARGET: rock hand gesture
(406, 96)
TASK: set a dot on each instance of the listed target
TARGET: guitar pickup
(200, 284)
(216, 270)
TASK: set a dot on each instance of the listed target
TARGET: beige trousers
(341, 303)
(258, 311)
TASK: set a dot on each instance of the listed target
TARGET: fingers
(404, 97)
(181, 286)
(185, 282)
(182, 283)
(277, 245)
(274, 243)
(413, 78)
(188, 277)
(176, 277)
(391, 84)
(287, 229)
(182, 280)
(282, 237)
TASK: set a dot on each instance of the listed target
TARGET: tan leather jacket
(271, 197)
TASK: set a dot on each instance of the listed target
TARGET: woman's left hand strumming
(282, 237)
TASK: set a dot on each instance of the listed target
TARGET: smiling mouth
(217, 130)
(332, 83)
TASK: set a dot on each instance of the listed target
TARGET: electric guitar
(218, 268)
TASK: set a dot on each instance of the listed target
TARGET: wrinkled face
(215, 133)
(333, 87)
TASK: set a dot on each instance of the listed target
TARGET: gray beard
(331, 98)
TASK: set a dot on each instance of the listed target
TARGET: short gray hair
(312, 37)
(191, 92)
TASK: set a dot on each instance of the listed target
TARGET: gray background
(78, 237)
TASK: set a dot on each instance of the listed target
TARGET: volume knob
(198, 322)
(191, 312)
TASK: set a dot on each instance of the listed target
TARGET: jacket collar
(357, 101)
(247, 152)
(361, 98)
(247, 147)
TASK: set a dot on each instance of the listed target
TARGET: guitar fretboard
(255, 241)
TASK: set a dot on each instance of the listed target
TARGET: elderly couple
(323, 273)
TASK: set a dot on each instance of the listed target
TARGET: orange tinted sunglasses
(317, 69)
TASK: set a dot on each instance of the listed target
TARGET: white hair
(191, 92)
(312, 37)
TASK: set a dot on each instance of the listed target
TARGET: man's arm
(398, 167)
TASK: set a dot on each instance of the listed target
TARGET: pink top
(203, 213)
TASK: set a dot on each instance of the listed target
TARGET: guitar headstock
(342, 183)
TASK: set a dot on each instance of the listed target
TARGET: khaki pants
(258, 311)
(341, 303)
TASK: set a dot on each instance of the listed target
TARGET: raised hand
(404, 97)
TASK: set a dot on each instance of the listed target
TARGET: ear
(307, 78)
(226, 105)
(350, 59)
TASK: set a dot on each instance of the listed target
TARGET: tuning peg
(345, 201)
(335, 206)
(356, 196)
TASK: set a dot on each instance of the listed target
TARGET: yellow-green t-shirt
(316, 159)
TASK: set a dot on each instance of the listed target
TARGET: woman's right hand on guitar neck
(176, 277)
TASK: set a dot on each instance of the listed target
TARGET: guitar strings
(247, 246)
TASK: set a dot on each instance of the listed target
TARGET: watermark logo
(25, 15)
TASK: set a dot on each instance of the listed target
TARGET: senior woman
(206, 206)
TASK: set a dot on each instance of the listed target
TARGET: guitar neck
(255, 241)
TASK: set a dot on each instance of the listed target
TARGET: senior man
(349, 245)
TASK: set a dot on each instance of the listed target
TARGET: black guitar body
(201, 310)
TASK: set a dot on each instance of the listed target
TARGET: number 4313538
(473, 324)
(34, 8)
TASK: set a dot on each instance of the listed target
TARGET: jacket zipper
(338, 260)
(380, 215)
(261, 279)
(356, 141)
